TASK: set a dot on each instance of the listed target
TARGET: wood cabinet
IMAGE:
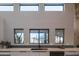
(56, 53)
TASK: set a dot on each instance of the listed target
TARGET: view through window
(29, 7)
(18, 36)
(6, 7)
(39, 36)
(59, 36)
(54, 7)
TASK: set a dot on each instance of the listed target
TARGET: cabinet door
(5, 54)
(44, 53)
(56, 53)
(34, 53)
(39, 53)
(72, 53)
(19, 54)
(31, 53)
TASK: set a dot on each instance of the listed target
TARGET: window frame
(63, 34)
(31, 4)
(54, 4)
(7, 4)
(14, 35)
(39, 36)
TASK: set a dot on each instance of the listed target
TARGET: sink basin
(39, 49)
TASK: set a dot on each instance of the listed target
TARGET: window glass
(54, 7)
(38, 36)
(6, 8)
(59, 36)
(33, 37)
(18, 36)
(29, 7)
(42, 38)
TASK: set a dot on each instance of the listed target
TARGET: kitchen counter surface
(29, 49)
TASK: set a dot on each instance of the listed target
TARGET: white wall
(29, 20)
(1, 29)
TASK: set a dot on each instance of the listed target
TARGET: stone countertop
(29, 49)
(15, 49)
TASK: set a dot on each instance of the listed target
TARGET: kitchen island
(29, 52)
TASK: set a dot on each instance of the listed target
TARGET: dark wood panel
(56, 53)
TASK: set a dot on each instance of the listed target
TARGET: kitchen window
(29, 7)
(6, 7)
(18, 36)
(54, 7)
(59, 36)
(39, 36)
